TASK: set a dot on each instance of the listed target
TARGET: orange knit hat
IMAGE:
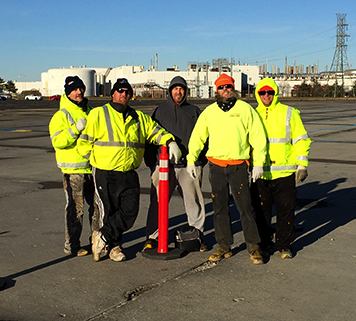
(224, 79)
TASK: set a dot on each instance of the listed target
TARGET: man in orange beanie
(232, 129)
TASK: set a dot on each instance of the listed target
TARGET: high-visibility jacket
(111, 142)
(64, 135)
(231, 134)
(288, 141)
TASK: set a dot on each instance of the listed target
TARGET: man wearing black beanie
(114, 143)
(65, 128)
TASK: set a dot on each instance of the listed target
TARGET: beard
(223, 100)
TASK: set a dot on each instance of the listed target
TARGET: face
(225, 91)
(77, 94)
(178, 94)
(267, 98)
(121, 96)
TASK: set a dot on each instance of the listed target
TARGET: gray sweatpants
(190, 191)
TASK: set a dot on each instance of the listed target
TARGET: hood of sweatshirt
(271, 83)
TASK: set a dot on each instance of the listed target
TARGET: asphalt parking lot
(39, 282)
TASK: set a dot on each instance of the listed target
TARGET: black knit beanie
(71, 83)
(122, 83)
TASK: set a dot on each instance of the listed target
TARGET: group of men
(99, 150)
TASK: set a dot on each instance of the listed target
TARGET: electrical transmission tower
(340, 63)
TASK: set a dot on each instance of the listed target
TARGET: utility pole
(340, 62)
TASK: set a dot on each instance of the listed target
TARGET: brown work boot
(256, 257)
(220, 254)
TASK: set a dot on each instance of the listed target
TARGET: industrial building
(151, 82)
(200, 78)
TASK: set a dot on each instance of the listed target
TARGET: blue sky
(41, 35)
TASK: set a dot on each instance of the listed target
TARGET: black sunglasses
(120, 90)
(225, 86)
(264, 92)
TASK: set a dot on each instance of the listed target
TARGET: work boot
(98, 246)
(149, 244)
(117, 255)
(220, 254)
(203, 246)
(80, 252)
(286, 254)
(256, 257)
(267, 249)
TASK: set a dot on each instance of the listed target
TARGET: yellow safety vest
(111, 142)
(231, 134)
(288, 143)
(64, 135)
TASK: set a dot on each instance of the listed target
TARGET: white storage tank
(56, 77)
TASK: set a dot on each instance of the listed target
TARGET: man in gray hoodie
(178, 117)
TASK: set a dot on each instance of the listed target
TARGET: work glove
(81, 123)
(257, 173)
(302, 174)
(174, 153)
(191, 169)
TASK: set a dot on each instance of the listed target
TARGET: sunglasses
(264, 92)
(121, 91)
(225, 86)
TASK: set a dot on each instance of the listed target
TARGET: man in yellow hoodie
(233, 129)
(65, 127)
(286, 163)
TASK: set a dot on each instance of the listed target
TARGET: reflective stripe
(286, 139)
(108, 123)
(87, 155)
(288, 118)
(55, 134)
(279, 168)
(69, 116)
(163, 176)
(120, 144)
(73, 165)
(135, 145)
(87, 137)
(112, 142)
(138, 124)
(278, 140)
(156, 130)
(163, 163)
(303, 158)
(305, 136)
(72, 133)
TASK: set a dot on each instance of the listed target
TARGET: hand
(81, 123)
(257, 172)
(191, 169)
(174, 153)
(302, 174)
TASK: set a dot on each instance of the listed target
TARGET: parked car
(54, 97)
(33, 97)
(4, 96)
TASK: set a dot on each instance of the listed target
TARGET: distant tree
(331, 91)
(316, 90)
(10, 86)
(304, 90)
(2, 84)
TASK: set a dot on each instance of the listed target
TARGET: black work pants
(119, 196)
(236, 177)
(283, 193)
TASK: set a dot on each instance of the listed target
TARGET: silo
(56, 79)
